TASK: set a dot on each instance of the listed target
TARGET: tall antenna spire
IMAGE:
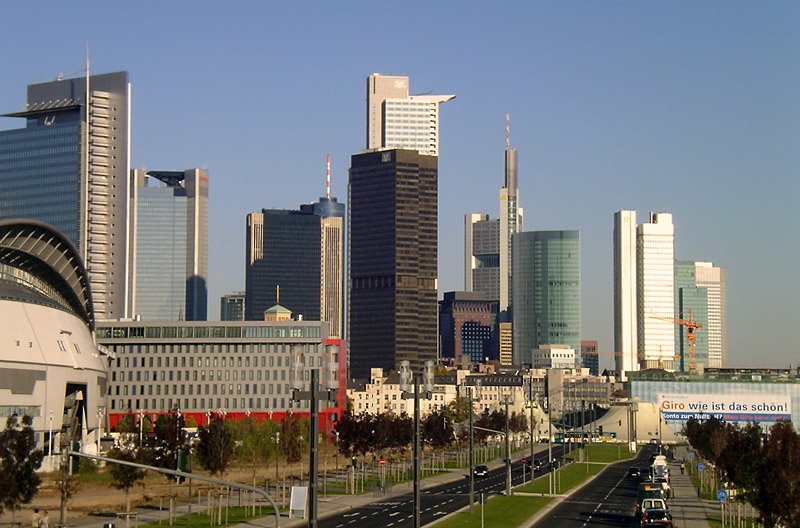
(327, 176)
(508, 131)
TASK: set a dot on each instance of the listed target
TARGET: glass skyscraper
(546, 291)
(170, 232)
(302, 253)
(69, 168)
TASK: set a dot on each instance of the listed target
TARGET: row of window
(125, 332)
(124, 361)
(200, 404)
(221, 388)
(177, 375)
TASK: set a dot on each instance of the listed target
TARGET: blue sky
(687, 107)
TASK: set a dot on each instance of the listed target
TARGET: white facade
(553, 356)
(396, 119)
(655, 292)
(713, 279)
(625, 320)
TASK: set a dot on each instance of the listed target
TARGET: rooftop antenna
(328, 176)
(508, 131)
(277, 294)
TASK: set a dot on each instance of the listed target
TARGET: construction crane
(690, 325)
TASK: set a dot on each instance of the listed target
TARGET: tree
(294, 435)
(124, 477)
(19, 460)
(169, 441)
(437, 429)
(216, 446)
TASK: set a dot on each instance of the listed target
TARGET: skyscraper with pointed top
(302, 251)
(487, 245)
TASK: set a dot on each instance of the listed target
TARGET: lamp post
(141, 421)
(313, 395)
(407, 378)
(336, 453)
(507, 398)
(50, 437)
(99, 427)
(277, 459)
(208, 417)
(468, 391)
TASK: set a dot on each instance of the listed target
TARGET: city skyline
(687, 109)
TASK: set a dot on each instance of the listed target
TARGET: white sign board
(298, 500)
(728, 407)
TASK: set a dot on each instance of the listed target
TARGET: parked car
(656, 517)
(480, 471)
(634, 472)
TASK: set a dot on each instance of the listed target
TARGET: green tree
(168, 442)
(124, 477)
(294, 437)
(437, 430)
(19, 460)
(216, 446)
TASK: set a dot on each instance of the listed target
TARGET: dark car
(634, 472)
(656, 517)
(537, 464)
(480, 471)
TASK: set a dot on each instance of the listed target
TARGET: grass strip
(500, 511)
(235, 515)
(571, 476)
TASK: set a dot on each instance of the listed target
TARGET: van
(649, 490)
(654, 503)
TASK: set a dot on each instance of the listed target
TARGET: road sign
(690, 454)
(382, 462)
(701, 466)
(722, 495)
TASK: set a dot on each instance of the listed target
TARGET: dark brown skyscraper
(393, 260)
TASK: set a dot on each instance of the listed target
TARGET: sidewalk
(688, 511)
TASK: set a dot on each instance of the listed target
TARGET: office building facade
(169, 245)
(713, 279)
(240, 368)
(69, 168)
(691, 301)
(626, 342)
(589, 357)
(655, 292)
(468, 327)
(547, 303)
(393, 238)
(397, 120)
(231, 307)
(297, 254)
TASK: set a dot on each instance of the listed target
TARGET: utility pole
(507, 398)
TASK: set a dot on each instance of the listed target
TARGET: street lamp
(141, 420)
(100, 414)
(208, 417)
(277, 459)
(468, 391)
(50, 437)
(508, 398)
(407, 379)
(330, 385)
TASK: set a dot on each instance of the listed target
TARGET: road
(397, 511)
(610, 500)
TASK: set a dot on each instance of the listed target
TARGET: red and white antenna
(327, 176)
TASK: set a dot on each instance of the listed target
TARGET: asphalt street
(397, 511)
(609, 500)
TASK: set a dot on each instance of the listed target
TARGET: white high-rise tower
(396, 119)
(655, 291)
(625, 320)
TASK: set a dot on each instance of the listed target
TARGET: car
(656, 517)
(634, 472)
(538, 464)
(480, 471)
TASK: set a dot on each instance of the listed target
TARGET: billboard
(729, 407)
